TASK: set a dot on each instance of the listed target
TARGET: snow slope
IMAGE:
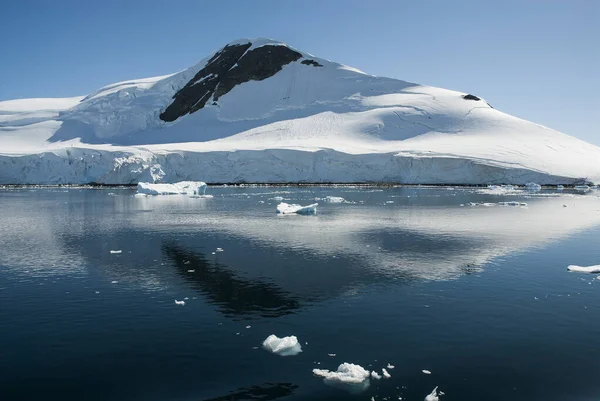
(311, 120)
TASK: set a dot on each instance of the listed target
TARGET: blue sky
(536, 59)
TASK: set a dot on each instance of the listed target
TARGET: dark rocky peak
(471, 97)
(229, 67)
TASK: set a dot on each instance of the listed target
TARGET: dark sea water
(477, 295)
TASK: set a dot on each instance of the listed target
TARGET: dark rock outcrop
(470, 97)
(229, 67)
(311, 62)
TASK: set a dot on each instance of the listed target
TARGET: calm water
(480, 296)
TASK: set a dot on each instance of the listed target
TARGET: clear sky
(536, 59)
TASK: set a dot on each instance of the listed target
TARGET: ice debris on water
(179, 302)
(116, 252)
(197, 188)
(219, 249)
(584, 269)
(434, 395)
(532, 186)
(334, 199)
(114, 282)
(331, 354)
(427, 372)
(286, 346)
(191, 270)
(375, 375)
(385, 373)
(285, 208)
(390, 366)
(582, 188)
(348, 376)
(277, 198)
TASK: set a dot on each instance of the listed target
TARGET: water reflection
(265, 392)
(233, 295)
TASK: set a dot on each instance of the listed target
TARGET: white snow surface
(348, 376)
(286, 208)
(286, 346)
(193, 188)
(584, 269)
(309, 124)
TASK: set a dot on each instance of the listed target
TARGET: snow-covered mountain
(261, 111)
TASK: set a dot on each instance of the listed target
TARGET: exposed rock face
(470, 97)
(231, 66)
(311, 62)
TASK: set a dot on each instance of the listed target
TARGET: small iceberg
(375, 375)
(285, 208)
(584, 269)
(116, 252)
(582, 188)
(192, 188)
(286, 346)
(350, 377)
(532, 186)
(182, 303)
(385, 373)
(560, 187)
(427, 372)
(434, 395)
(334, 199)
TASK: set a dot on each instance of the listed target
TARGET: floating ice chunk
(114, 282)
(375, 375)
(277, 198)
(532, 186)
(116, 252)
(285, 208)
(488, 204)
(511, 203)
(583, 188)
(331, 354)
(191, 270)
(349, 377)
(285, 346)
(334, 199)
(427, 372)
(385, 373)
(219, 249)
(560, 187)
(178, 188)
(390, 366)
(248, 326)
(140, 195)
(434, 396)
(389, 202)
(179, 302)
(584, 269)
(202, 196)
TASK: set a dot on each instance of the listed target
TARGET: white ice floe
(334, 199)
(286, 346)
(375, 375)
(202, 196)
(584, 269)
(191, 270)
(116, 252)
(349, 377)
(114, 282)
(197, 188)
(385, 373)
(582, 188)
(434, 395)
(285, 208)
(532, 186)
(219, 249)
(427, 372)
(390, 366)
(277, 198)
(179, 302)
(560, 187)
